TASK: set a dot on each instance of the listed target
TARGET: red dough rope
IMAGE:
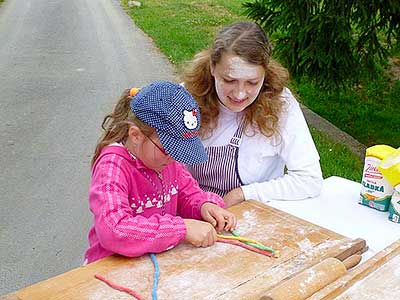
(243, 245)
(119, 287)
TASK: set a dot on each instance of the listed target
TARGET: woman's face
(237, 82)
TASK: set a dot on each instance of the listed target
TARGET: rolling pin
(308, 282)
(357, 246)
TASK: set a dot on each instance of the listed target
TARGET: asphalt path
(62, 66)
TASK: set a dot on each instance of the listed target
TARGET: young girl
(251, 123)
(141, 198)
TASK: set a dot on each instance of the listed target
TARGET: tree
(331, 42)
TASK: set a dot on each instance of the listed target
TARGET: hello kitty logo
(190, 118)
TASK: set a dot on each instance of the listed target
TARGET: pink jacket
(135, 210)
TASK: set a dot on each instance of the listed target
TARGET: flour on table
(106, 292)
(249, 221)
(191, 284)
(305, 245)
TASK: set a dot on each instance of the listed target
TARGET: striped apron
(220, 174)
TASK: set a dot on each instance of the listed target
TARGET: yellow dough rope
(250, 242)
(238, 238)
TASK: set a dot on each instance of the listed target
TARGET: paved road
(62, 64)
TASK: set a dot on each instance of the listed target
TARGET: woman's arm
(303, 178)
(295, 185)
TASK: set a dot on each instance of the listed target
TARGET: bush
(330, 42)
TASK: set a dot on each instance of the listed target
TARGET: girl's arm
(191, 197)
(194, 203)
(116, 228)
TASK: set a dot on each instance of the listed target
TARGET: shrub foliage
(330, 42)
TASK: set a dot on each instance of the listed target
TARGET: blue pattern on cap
(173, 113)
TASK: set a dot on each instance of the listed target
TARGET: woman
(258, 142)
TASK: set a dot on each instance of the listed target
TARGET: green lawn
(370, 113)
(181, 28)
(336, 158)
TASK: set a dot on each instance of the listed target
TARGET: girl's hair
(248, 41)
(116, 125)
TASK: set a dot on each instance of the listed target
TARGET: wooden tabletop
(337, 209)
(222, 271)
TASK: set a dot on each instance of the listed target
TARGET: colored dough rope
(243, 245)
(239, 238)
(253, 245)
(119, 287)
(259, 245)
(234, 239)
(156, 276)
(132, 292)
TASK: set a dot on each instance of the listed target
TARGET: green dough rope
(260, 246)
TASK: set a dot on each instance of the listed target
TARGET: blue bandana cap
(172, 111)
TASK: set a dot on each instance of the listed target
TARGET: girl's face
(154, 155)
(150, 151)
(237, 82)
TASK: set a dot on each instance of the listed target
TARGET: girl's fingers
(213, 237)
(220, 222)
(234, 222)
(210, 239)
(230, 222)
(210, 219)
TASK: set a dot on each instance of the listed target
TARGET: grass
(370, 113)
(336, 159)
(182, 28)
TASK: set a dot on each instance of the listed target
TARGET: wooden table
(337, 209)
(222, 271)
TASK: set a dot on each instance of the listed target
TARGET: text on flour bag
(376, 192)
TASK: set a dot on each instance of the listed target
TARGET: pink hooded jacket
(137, 211)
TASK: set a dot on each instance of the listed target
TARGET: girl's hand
(199, 233)
(218, 217)
(234, 197)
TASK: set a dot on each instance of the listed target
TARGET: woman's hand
(234, 197)
(199, 233)
(218, 217)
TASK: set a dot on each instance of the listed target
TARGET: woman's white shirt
(262, 160)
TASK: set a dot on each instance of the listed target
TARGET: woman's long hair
(248, 41)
